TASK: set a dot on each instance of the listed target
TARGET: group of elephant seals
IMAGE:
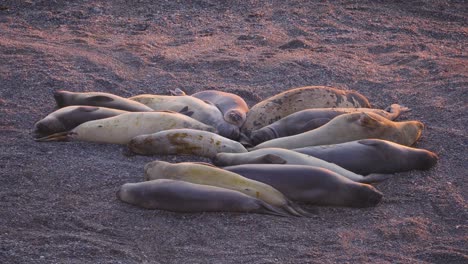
(350, 127)
(203, 173)
(67, 118)
(200, 110)
(184, 142)
(122, 128)
(312, 185)
(186, 197)
(233, 107)
(294, 100)
(368, 156)
(289, 157)
(66, 98)
(310, 119)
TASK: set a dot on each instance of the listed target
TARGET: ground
(58, 202)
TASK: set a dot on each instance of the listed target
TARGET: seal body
(65, 98)
(350, 127)
(310, 119)
(200, 110)
(69, 117)
(311, 184)
(122, 128)
(233, 107)
(186, 197)
(368, 156)
(294, 100)
(184, 142)
(210, 175)
(285, 156)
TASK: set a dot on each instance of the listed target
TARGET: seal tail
(373, 178)
(62, 136)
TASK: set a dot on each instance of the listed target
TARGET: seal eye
(99, 126)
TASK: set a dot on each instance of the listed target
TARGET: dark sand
(58, 202)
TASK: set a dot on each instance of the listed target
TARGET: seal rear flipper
(291, 210)
(396, 110)
(269, 209)
(245, 141)
(369, 121)
(177, 92)
(299, 209)
(62, 136)
(374, 178)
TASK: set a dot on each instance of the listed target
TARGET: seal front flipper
(374, 178)
(268, 159)
(100, 99)
(314, 123)
(185, 111)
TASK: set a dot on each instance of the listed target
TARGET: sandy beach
(58, 202)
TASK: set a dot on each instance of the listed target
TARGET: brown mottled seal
(200, 110)
(202, 173)
(233, 107)
(286, 156)
(122, 128)
(294, 100)
(65, 98)
(310, 119)
(350, 127)
(69, 117)
(184, 142)
(311, 184)
(373, 156)
(186, 197)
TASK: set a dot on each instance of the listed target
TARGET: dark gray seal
(368, 156)
(67, 118)
(65, 98)
(312, 185)
(181, 196)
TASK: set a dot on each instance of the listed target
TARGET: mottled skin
(186, 197)
(310, 119)
(283, 104)
(69, 117)
(368, 156)
(350, 127)
(200, 110)
(65, 98)
(122, 128)
(312, 185)
(184, 142)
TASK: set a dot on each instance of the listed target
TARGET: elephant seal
(186, 197)
(203, 173)
(367, 156)
(122, 128)
(185, 142)
(69, 117)
(200, 110)
(350, 127)
(233, 107)
(294, 100)
(65, 98)
(310, 119)
(285, 156)
(310, 184)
